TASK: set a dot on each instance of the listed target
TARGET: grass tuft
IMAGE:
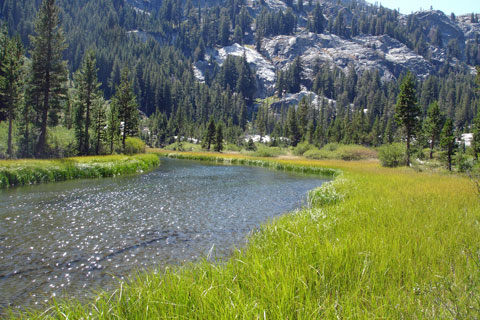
(24, 172)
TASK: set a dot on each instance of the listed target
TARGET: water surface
(70, 238)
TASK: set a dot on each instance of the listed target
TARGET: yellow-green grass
(32, 171)
(377, 243)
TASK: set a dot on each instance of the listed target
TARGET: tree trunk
(408, 150)
(40, 150)
(10, 123)
(86, 144)
(432, 143)
(124, 136)
(449, 159)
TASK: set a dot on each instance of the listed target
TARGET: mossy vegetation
(23, 172)
(374, 243)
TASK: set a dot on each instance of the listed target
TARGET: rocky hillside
(441, 40)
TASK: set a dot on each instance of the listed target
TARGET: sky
(447, 6)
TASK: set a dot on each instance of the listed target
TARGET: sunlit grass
(376, 243)
(32, 171)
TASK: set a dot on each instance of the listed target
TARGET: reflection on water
(76, 236)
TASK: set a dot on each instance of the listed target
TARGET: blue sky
(447, 6)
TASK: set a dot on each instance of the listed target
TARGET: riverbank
(376, 243)
(32, 171)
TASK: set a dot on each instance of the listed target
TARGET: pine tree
(99, 122)
(447, 141)
(126, 104)
(219, 138)
(476, 135)
(10, 82)
(87, 91)
(407, 112)
(48, 68)
(292, 126)
(113, 126)
(210, 134)
(433, 125)
(317, 23)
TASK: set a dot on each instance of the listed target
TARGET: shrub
(250, 146)
(317, 154)
(301, 148)
(392, 155)
(464, 162)
(61, 142)
(134, 146)
(354, 152)
(264, 151)
(232, 147)
(331, 146)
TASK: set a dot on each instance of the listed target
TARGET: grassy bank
(23, 172)
(376, 243)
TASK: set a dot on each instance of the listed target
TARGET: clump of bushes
(342, 152)
(266, 151)
(392, 155)
(134, 146)
(61, 142)
(301, 148)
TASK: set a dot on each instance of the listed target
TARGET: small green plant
(392, 155)
(250, 146)
(464, 162)
(134, 146)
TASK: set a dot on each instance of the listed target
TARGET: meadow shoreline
(32, 171)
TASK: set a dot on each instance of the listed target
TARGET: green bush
(264, 151)
(232, 147)
(392, 155)
(134, 146)
(331, 146)
(355, 152)
(250, 146)
(183, 146)
(61, 142)
(301, 148)
(317, 154)
(464, 162)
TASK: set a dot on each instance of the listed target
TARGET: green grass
(376, 243)
(23, 172)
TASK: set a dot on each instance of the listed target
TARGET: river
(69, 238)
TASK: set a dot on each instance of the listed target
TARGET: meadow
(374, 243)
(30, 171)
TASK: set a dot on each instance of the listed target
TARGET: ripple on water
(81, 235)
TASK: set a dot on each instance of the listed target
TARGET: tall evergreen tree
(87, 91)
(219, 138)
(433, 125)
(476, 135)
(447, 141)
(113, 126)
(407, 112)
(317, 22)
(126, 104)
(99, 122)
(10, 81)
(292, 126)
(210, 134)
(48, 68)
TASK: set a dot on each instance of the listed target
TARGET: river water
(69, 238)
